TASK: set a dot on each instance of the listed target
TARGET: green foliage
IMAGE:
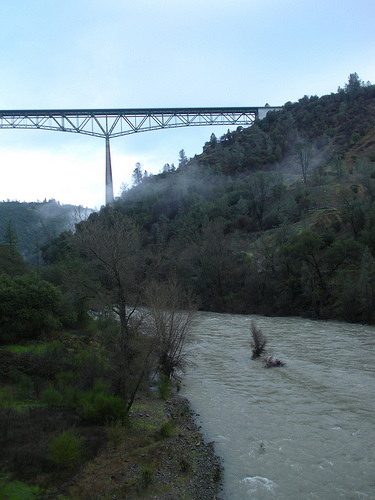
(167, 429)
(11, 261)
(52, 397)
(147, 476)
(27, 307)
(10, 237)
(164, 386)
(98, 407)
(34, 223)
(17, 490)
(25, 387)
(116, 431)
(65, 449)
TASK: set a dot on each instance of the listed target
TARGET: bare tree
(171, 311)
(258, 342)
(303, 154)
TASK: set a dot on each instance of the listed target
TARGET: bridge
(111, 123)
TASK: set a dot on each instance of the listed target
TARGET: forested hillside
(277, 218)
(34, 224)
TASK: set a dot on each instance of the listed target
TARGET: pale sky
(166, 53)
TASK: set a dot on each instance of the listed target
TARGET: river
(302, 431)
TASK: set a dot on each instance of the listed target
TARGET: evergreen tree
(10, 237)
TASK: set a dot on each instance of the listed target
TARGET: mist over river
(302, 431)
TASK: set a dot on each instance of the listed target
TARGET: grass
(17, 490)
(44, 446)
(20, 349)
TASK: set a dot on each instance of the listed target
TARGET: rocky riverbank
(160, 455)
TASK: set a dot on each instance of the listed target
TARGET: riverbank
(158, 453)
(162, 455)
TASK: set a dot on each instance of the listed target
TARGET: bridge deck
(123, 121)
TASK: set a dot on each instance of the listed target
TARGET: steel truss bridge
(111, 123)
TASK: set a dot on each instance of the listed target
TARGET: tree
(11, 261)
(137, 174)
(183, 160)
(111, 247)
(209, 264)
(338, 166)
(171, 313)
(303, 256)
(258, 341)
(353, 210)
(260, 188)
(366, 285)
(10, 237)
(111, 280)
(303, 155)
(28, 307)
(354, 84)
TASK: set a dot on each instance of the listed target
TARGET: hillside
(277, 218)
(36, 223)
(229, 220)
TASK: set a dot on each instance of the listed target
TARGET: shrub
(115, 432)
(166, 430)
(89, 366)
(100, 408)
(18, 490)
(7, 416)
(27, 307)
(147, 476)
(66, 449)
(164, 385)
(25, 387)
(52, 397)
(258, 343)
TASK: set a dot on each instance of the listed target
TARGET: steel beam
(119, 122)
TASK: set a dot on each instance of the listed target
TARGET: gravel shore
(162, 456)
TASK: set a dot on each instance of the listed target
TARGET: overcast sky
(166, 53)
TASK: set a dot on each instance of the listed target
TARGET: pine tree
(10, 237)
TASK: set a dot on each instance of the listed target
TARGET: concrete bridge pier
(109, 198)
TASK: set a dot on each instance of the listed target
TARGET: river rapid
(302, 431)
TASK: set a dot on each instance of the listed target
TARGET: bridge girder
(119, 122)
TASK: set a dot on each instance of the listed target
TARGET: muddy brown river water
(302, 431)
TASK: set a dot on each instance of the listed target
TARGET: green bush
(147, 476)
(66, 449)
(52, 397)
(25, 387)
(166, 430)
(27, 307)
(101, 408)
(16, 490)
(116, 432)
(89, 366)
